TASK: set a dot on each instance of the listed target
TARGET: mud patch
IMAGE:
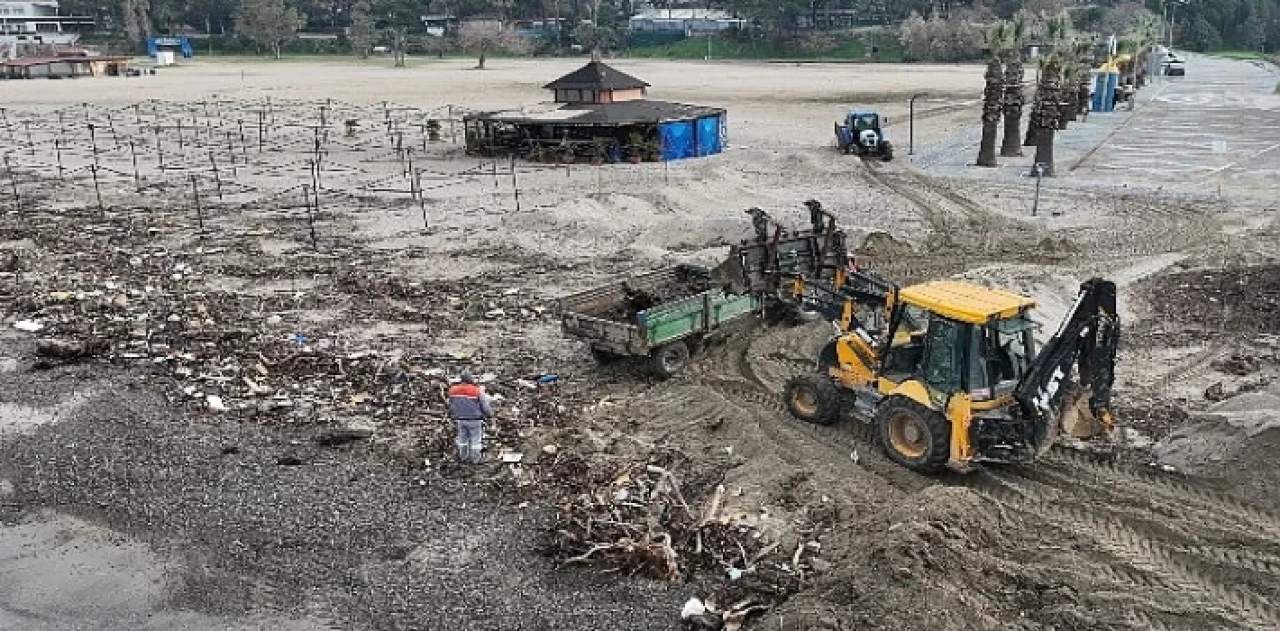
(61, 573)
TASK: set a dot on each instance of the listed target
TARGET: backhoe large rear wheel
(813, 398)
(916, 437)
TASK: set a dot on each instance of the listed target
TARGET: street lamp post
(1039, 171)
(911, 124)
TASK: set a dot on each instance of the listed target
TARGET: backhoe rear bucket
(1076, 419)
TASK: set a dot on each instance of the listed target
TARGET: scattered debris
(29, 326)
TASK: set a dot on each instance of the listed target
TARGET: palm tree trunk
(987, 150)
(1013, 100)
(1044, 119)
(992, 107)
(1044, 150)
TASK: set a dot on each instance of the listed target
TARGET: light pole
(1039, 171)
(911, 124)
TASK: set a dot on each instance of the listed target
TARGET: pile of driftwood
(641, 521)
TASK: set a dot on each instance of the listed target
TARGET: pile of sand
(1236, 440)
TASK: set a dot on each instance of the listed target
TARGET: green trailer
(663, 315)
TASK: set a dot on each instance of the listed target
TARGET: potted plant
(599, 150)
(635, 147)
(653, 149)
(567, 156)
(433, 130)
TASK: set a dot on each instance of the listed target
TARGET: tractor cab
(864, 121)
(862, 133)
(951, 337)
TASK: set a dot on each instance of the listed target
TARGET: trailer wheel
(670, 359)
(887, 150)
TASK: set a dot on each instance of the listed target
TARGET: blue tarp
(677, 138)
(709, 141)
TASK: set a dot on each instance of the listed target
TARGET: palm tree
(1066, 95)
(1056, 29)
(1044, 118)
(993, 95)
(1083, 54)
(1015, 36)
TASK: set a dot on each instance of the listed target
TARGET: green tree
(268, 23)
(1201, 35)
(362, 29)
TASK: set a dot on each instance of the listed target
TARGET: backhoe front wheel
(916, 437)
(670, 359)
(813, 399)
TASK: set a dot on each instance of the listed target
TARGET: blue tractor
(863, 135)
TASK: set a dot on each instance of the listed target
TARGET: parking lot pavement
(1213, 133)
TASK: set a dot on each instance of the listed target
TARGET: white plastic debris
(512, 457)
(495, 313)
(511, 291)
(30, 326)
(692, 608)
(215, 403)
(734, 573)
(274, 320)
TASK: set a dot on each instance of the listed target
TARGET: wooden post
(4, 115)
(97, 191)
(515, 186)
(111, 124)
(181, 147)
(133, 153)
(422, 203)
(137, 115)
(217, 180)
(231, 155)
(159, 149)
(261, 123)
(57, 150)
(13, 182)
(311, 219)
(195, 194)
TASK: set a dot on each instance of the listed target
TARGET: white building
(687, 21)
(37, 22)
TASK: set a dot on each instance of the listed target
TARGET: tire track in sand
(1189, 576)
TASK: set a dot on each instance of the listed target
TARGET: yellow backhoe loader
(948, 371)
(955, 378)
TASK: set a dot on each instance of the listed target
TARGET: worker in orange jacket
(469, 406)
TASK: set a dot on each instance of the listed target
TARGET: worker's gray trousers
(470, 437)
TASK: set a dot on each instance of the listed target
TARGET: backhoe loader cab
(955, 378)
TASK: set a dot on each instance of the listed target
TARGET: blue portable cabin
(178, 43)
(596, 105)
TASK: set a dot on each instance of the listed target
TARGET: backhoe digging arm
(1086, 341)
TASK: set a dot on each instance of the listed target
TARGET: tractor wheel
(916, 437)
(813, 398)
(670, 359)
(886, 151)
